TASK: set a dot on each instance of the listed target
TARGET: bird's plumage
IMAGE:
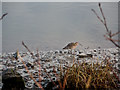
(71, 46)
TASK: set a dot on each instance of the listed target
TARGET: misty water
(50, 26)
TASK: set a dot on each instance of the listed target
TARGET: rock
(60, 52)
(37, 55)
(51, 86)
(15, 55)
(85, 56)
(90, 55)
(28, 64)
(95, 50)
(12, 80)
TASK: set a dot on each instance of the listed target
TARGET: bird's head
(76, 43)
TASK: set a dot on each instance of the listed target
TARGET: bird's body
(71, 46)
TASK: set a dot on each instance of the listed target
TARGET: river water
(50, 26)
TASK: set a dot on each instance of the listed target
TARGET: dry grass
(86, 75)
(90, 76)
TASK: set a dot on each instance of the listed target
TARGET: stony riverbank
(53, 60)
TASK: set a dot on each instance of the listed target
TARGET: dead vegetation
(109, 35)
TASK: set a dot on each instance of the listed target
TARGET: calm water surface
(50, 26)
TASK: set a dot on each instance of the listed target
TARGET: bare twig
(114, 43)
(27, 49)
(97, 16)
(3, 16)
(115, 34)
(39, 85)
(102, 13)
(109, 33)
(107, 38)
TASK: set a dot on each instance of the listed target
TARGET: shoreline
(53, 59)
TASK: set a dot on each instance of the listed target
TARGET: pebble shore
(53, 60)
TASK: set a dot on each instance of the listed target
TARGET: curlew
(71, 45)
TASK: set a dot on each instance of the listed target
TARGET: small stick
(111, 39)
(3, 16)
(110, 35)
(27, 49)
(97, 15)
(115, 34)
(39, 85)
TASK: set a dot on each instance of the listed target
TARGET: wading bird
(71, 45)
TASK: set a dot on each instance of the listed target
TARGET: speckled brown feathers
(71, 46)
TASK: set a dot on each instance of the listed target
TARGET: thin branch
(39, 85)
(115, 44)
(115, 34)
(109, 33)
(105, 23)
(111, 39)
(3, 16)
(102, 12)
(97, 15)
(27, 49)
